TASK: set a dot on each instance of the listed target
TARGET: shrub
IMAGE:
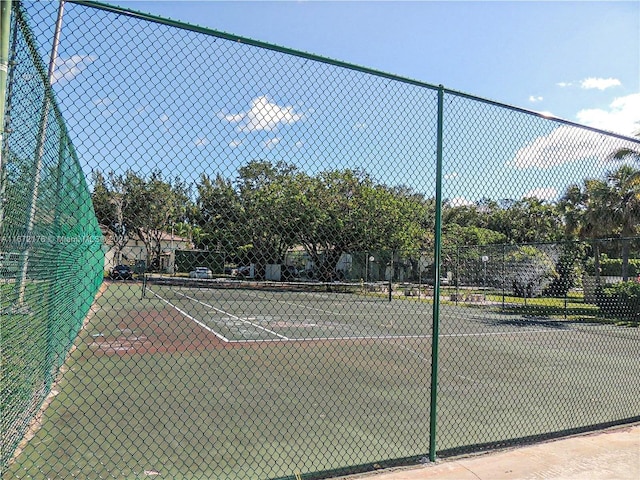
(529, 271)
(620, 300)
(613, 267)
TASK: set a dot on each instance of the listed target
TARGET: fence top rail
(330, 61)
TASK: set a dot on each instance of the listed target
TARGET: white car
(201, 272)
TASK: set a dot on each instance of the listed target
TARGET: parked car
(121, 272)
(201, 272)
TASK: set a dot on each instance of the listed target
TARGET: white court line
(224, 339)
(265, 297)
(234, 317)
(282, 338)
(394, 337)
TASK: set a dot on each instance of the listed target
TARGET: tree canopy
(272, 207)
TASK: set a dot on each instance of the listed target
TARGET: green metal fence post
(436, 283)
(5, 22)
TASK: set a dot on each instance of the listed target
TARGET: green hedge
(620, 300)
(613, 267)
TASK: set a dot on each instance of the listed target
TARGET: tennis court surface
(189, 378)
(237, 312)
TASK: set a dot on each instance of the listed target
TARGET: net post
(436, 282)
(144, 285)
(504, 272)
(391, 276)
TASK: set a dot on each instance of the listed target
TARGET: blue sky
(146, 96)
(570, 59)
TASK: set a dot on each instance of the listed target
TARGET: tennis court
(304, 312)
(190, 378)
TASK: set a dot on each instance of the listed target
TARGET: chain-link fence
(310, 268)
(50, 244)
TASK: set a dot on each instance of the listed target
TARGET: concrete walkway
(612, 454)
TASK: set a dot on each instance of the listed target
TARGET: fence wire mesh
(268, 223)
(50, 244)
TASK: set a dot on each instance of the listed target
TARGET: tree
(586, 216)
(219, 215)
(627, 153)
(455, 235)
(153, 206)
(517, 221)
(524, 221)
(567, 267)
(271, 199)
(110, 201)
(344, 211)
(623, 204)
(130, 204)
(101, 198)
(605, 208)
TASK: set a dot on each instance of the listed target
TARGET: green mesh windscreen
(50, 246)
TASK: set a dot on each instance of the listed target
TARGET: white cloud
(263, 115)
(201, 142)
(546, 113)
(141, 109)
(542, 194)
(599, 83)
(450, 176)
(459, 202)
(166, 124)
(234, 118)
(534, 99)
(235, 143)
(360, 126)
(69, 68)
(564, 84)
(102, 102)
(623, 116)
(104, 106)
(271, 142)
(563, 145)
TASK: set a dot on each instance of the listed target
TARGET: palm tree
(623, 204)
(604, 208)
(626, 153)
(586, 215)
